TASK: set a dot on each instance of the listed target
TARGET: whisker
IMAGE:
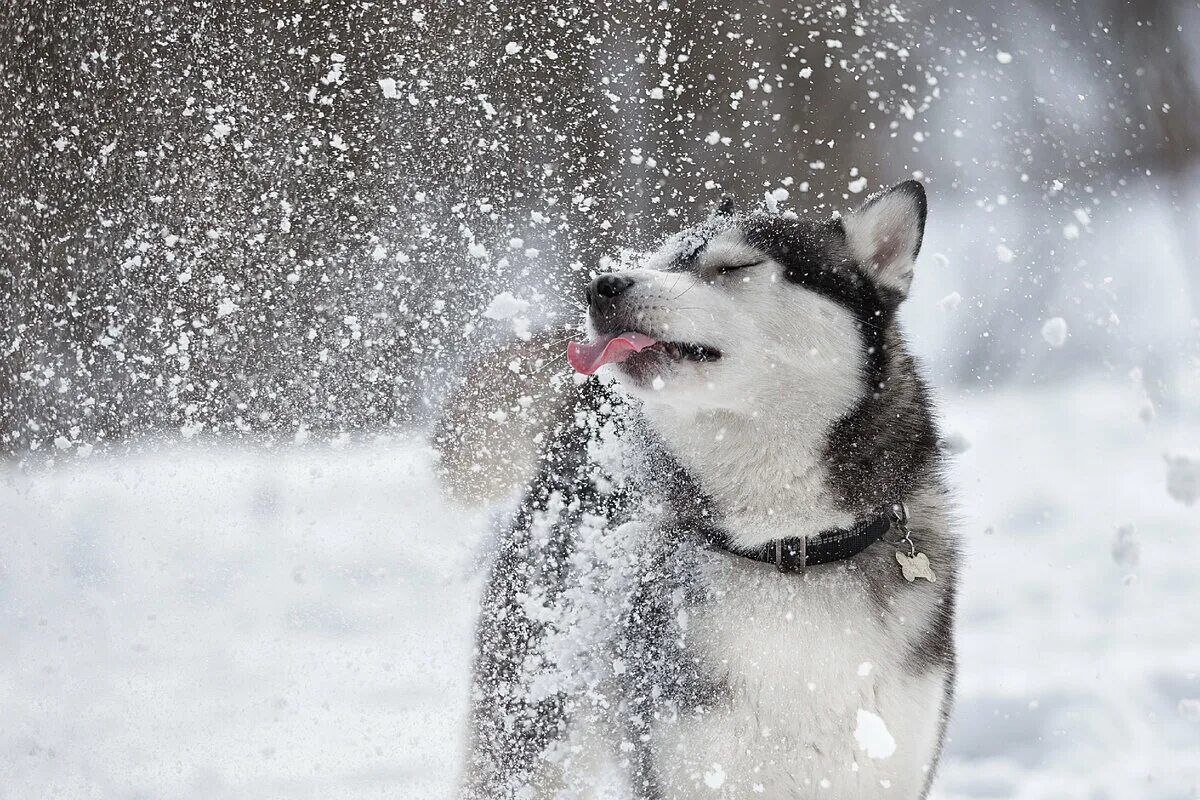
(545, 364)
(563, 340)
(685, 291)
(562, 295)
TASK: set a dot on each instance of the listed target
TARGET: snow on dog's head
(748, 311)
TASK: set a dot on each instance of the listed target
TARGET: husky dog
(733, 574)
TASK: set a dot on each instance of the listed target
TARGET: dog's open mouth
(588, 357)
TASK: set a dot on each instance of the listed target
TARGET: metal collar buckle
(803, 554)
(898, 514)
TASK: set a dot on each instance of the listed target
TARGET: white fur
(800, 657)
(766, 483)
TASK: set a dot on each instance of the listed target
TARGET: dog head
(744, 312)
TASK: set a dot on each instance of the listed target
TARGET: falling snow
(872, 735)
(1054, 331)
(715, 777)
(1183, 478)
(249, 248)
(1125, 549)
(950, 302)
(505, 306)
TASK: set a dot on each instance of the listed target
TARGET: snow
(955, 442)
(388, 87)
(774, 197)
(1125, 550)
(226, 307)
(505, 306)
(715, 777)
(199, 620)
(873, 736)
(1183, 478)
(1070, 680)
(950, 302)
(1054, 331)
(210, 622)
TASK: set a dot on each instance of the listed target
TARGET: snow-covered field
(205, 621)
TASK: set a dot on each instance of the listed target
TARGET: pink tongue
(589, 357)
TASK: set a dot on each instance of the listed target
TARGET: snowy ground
(202, 622)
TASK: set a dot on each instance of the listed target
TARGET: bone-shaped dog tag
(916, 566)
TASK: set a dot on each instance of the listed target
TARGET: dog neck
(764, 471)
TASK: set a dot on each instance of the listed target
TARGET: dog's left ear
(885, 235)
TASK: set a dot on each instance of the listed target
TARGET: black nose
(607, 288)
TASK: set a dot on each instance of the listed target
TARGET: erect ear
(885, 234)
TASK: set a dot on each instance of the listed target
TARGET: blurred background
(245, 249)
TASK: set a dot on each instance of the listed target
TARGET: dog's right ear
(885, 235)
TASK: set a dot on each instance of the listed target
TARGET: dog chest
(814, 690)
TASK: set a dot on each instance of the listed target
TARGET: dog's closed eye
(725, 269)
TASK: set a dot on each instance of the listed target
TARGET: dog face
(748, 312)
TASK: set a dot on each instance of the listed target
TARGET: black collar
(796, 553)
